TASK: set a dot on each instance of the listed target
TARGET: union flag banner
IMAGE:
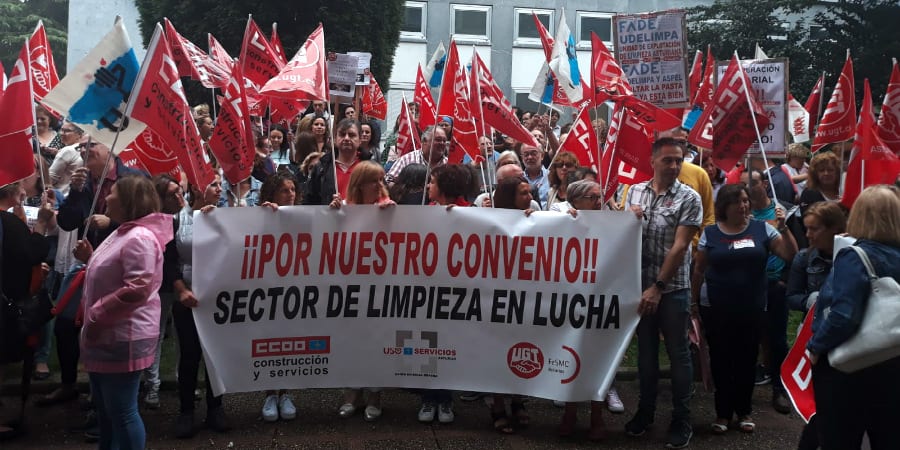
(194, 62)
(407, 137)
(839, 119)
(304, 77)
(454, 102)
(151, 154)
(422, 97)
(607, 77)
(260, 63)
(16, 157)
(43, 70)
(496, 108)
(582, 142)
(160, 103)
(276, 44)
(812, 102)
(888, 127)
(218, 53)
(373, 102)
(232, 140)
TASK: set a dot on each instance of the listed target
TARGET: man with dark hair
(670, 213)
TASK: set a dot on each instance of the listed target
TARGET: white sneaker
(613, 402)
(286, 409)
(426, 413)
(445, 413)
(270, 408)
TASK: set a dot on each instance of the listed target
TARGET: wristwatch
(660, 284)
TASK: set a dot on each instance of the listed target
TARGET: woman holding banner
(849, 405)
(731, 258)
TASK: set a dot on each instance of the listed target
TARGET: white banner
(768, 79)
(416, 297)
(342, 75)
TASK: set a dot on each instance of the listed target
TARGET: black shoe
(781, 403)
(92, 435)
(184, 425)
(216, 420)
(680, 433)
(65, 393)
(90, 421)
(762, 375)
(639, 423)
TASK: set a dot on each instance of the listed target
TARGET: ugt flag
(94, 94)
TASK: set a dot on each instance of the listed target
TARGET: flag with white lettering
(454, 102)
(160, 103)
(304, 77)
(796, 373)
(151, 153)
(888, 127)
(218, 53)
(193, 62)
(16, 157)
(43, 69)
(607, 77)
(373, 102)
(582, 141)
(422, 97)
(839, 118)
(496, 108)
(232, 140)
(407, 137)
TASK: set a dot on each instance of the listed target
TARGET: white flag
(798, 120)
(564, 63)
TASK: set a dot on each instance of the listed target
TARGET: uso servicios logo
(525, 360)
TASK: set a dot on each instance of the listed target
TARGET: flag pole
(437, 114)
(762, 150)
(819, 111)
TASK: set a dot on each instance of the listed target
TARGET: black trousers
(848, 405)
(775, 326)
(68, 348)
(733, 338)
(190, 354)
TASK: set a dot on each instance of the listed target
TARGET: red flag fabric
(423, 98)
(633, 141)
(152, 154)
(43, 68)
(284, 110)
(796, 373)
(608, 79)
(613, 170)
(726, 126)
(888, 127)
(475, 96)
(582, 141)
(218, 53)
(17, 154)
(373, 102)
(695, 77)
(871, 161)
(407, 137)
(303, 78)
(276, 44)
(194, 62)
(708, 83)
(839, 119)
(812, 102)
(546, 39)
(496, 108)
(454, 102)
(232, 140)
(257, 56)
(160, 103)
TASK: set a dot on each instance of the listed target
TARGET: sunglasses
(565, 165)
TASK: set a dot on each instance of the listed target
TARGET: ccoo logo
(525, 360)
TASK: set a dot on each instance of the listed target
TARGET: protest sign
(651, 49)
(310, 297)
(342, 75)
(768, 80)
(363, 67)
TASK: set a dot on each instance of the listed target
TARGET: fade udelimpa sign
(651, 49)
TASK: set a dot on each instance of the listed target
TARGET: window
(526, 32)
(600, 23)
(786, 27)
(414, 20)
(470, 22)
(817, 32)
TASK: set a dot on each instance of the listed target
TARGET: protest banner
(342, 75)
(651, 49)
(363, 68)
(416, 297)
(769, 81)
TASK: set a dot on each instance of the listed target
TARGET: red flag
(607, 77)
(582, 141)
(283, 110)
(546, 39)
(407, 138)
(839, 118)
(218, 53)
(475, 96)
(708, 84)
(276, 44)
(496, 108)
(696, 75)
(194, 62)
(373, 102)
(613, 169)
(232, 140)
(796, 373)
(43, 69)
(871, 162)
(151, 153)
(812, 102)
(17, 154)
(257, 56)
(423, 98)
(726, 126)
(303, 78)
(455, 103)
(160, 103)
(632, 140)
(888, 128)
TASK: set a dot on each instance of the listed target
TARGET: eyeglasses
(592, 197)
(530, 154)
(66, 130)
(565, 165)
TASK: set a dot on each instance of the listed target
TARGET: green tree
(739, 25)
(350, 25)
(17, 21)
(869, 29)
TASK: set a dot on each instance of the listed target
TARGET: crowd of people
(733, 250)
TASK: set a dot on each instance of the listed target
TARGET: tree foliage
(18, 18)
(350, 25)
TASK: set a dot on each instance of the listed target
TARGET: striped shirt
(413, 157)
(677, 206)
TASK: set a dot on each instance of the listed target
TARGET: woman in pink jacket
(121, 308)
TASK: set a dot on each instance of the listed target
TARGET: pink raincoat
(121, 304)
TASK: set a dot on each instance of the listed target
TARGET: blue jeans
(672, 319)
(115, 399)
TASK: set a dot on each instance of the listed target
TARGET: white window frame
(594, 15)
(527, 12)
(421, 35)
(471, 38)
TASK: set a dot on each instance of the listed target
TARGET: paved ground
(319, 427)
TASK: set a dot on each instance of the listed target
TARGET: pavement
(318, 425)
